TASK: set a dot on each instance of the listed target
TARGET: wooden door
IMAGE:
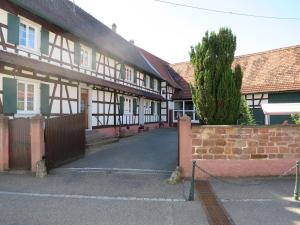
(170, 117)
(84, 106)
(19, 144)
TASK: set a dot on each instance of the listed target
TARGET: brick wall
(238, 150)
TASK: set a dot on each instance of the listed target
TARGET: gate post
(4, 147)
(185, 145)
(37, 140)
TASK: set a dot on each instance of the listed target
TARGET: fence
(238, 150)
(23, 141)
(64, 139)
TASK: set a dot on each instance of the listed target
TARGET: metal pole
(296, 190)
(191, 196)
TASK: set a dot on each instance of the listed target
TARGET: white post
(141, 111)
(267, 119)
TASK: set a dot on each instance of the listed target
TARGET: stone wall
(238, 150)
(245, 142)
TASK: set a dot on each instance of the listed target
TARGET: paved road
(259, 201)
(96, 198)
(155, 150)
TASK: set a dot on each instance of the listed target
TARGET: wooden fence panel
(19, 144)
(64, 139)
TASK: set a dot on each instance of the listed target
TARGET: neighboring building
(56, 59)
(269, 77)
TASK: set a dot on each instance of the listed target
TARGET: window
(85, 56)
(185, 108)
(29, 35)
(25, 97)
(129, 74)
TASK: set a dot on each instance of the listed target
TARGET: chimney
(131, 41)
(114, 27)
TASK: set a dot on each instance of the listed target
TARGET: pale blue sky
(168, 31)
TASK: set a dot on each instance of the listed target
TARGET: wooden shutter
(152, 108)
(159, 86)
(122, 72)
(94, 59)
(145, 80)
(44, 41)
(121, 109)
(45, 109)
(151, 83)
(77, 53)
(134, 106)
(13, 23)
(135, 76)
(9, 95)
(158, 108)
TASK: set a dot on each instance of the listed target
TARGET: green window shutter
(158, 108)
(134, 106)
(158, 86)
(44, 41)
(151, 83)
(152, 108)
(122, 72)
(94, 59)
(145, 80)
(77, 53)
(45, 109)
(135, 76)
(13, 23)
(121, 109)
(9, 95)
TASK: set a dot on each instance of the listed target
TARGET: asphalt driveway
(154, 150)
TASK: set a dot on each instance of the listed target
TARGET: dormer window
(85, 56)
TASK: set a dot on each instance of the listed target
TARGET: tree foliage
(296, 118)
(216, 92)
(246, 116)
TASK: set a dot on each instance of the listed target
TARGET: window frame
(89, 54)
(183, 110)
(35, 97)
(37, 37)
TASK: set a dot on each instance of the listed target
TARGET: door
(84, 106)
(170, 117)
(19, 144)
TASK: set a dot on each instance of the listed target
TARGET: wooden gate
(19, 144)
(64, 139)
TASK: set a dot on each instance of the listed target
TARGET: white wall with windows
(184, 107)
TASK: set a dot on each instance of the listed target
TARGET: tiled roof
(186, 72)
(162, 67)
(270, 71)
(86, 27)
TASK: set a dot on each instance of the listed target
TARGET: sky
(169, 31)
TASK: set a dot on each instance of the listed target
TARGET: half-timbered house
(268, 77)
(56, 59)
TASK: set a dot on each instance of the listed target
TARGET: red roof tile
(162, 67)
(270, 71)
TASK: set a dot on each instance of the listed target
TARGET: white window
(185, 108)
(85, 57)
(26, 97)
(128, 106)
(129, 74)
(29, 35)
